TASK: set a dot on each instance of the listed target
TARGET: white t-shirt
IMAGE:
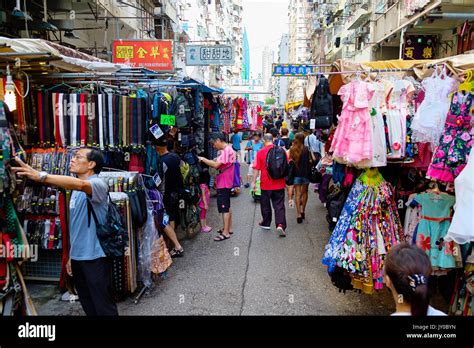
(431, 312)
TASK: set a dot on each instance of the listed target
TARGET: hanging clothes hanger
(467, 85)
(59, 85)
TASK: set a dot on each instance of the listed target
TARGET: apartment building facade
(299, 15)
(281, 83)
(370, 30)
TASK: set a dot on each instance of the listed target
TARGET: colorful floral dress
(368, 227)
(433, 227)
(451, 154)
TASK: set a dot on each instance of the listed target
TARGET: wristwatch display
(42, 176)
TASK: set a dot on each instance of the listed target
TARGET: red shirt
(266, 182)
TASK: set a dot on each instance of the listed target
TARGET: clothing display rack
(394, 164)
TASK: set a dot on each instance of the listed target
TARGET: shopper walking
(300, 156)
(253, 146)
(173, 186)
(284, 132)
(225, 163)
(88, 265)
(406, 273)
(315, 146)
(276, 136)
(272, 189)
(236, 139)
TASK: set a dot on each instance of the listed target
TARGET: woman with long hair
(301, 157)
(406, 274)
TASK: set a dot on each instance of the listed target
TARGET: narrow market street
(253, 273)
(256, 272)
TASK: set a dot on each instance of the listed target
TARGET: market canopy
(60, 57)
(288, 106)
(191, 83)
(421, 68)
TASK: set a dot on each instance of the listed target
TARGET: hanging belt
(73, 120)
(55, 120)
(67, 119)
(51, 234)
(131, 120)
(90, 121)
(40, 117)
(118, 119)
(139, 124)
(82, 119)
(62, 139)
(96, 120)
(101, 121)
(124, 120)
(110, 99)
(49, 119)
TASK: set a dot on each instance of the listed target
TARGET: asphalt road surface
(255, 272)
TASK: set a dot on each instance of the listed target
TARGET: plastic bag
(147, 241)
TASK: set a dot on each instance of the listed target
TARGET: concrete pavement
(253, 273)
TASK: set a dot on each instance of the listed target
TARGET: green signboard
(168, 120)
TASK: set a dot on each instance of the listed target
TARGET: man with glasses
(88, 264)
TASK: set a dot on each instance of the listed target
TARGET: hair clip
(416, 280)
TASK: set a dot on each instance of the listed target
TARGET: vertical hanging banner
(151, 54)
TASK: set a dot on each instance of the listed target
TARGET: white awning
(69, 59)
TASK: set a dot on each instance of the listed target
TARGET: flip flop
(222, 231)
(220, 238)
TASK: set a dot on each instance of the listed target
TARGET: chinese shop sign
(151, 54)
(419, 47)
(197, 55)
(293, 69)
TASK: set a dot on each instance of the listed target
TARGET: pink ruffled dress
(352, 143)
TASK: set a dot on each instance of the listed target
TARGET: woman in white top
(406, 273)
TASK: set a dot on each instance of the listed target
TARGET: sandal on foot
(221, 237)
(221, 231)
(176, 252)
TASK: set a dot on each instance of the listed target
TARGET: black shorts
(171, 202)
(223, 200)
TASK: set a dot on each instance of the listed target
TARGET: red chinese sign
(151, 54)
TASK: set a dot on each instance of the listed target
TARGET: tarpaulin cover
(70, 59)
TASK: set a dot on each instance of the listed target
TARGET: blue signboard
(293, 69)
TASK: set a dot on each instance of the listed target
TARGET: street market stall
(397, 169)
(57, 100)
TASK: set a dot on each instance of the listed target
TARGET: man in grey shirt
(88, 264)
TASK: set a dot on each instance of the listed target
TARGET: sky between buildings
(265, 21)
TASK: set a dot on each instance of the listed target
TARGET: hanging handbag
(137, 199)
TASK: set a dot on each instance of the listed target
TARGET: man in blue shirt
(87, 264)
(235, 139)
(254, 145)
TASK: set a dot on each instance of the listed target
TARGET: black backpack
(182, 110)
(277, 163)
(322, 105)
(112, 235)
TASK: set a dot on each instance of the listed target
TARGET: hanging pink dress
(352, 141)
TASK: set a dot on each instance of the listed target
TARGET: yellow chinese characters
(428, 52)
(409, 52)
(141, 52)
(124, 52)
